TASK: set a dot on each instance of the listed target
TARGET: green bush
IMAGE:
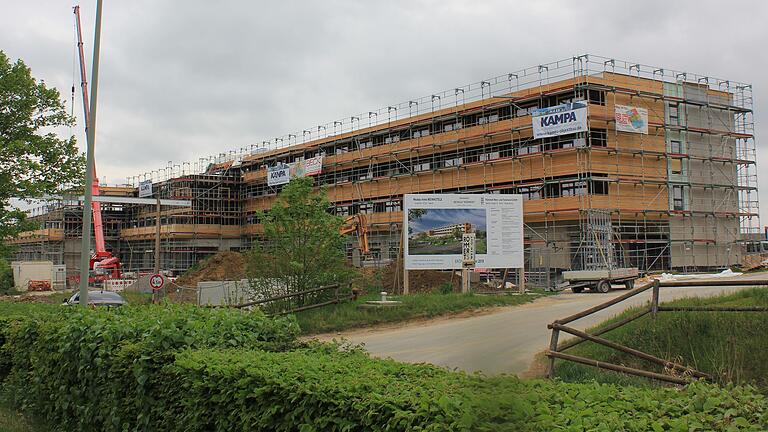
(181, 368)
(6, 277)
(324, 390)
(97, 369)
(313, 390)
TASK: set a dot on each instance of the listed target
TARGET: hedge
(317, 389)
(98, 369)
(190, 369)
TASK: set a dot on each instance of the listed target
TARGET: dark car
(98, 298)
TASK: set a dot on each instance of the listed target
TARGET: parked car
(98, 298)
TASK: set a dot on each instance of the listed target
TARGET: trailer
(599, 280)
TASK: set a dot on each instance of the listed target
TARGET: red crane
(102, 262)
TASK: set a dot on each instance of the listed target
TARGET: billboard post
(461, 232)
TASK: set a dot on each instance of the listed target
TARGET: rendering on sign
(559, 120)
(436, 224)
(278, 175)
(631, 119)
(145, 189)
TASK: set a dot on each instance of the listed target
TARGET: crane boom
(102, 256)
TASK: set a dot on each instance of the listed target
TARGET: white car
(98, 298)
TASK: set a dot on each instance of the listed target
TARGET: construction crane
(103, 264)
(358, 224)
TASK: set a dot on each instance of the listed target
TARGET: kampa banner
(559, 120)
(278, 175)
(631, 119)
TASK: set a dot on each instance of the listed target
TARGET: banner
(559, 120)
(283, 174)
(313, 166)
(145, 189)
(631, 119)
(437, 226)
(278, 175)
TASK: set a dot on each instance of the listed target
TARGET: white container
(25, 271)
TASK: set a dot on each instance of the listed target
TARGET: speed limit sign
(156, 282)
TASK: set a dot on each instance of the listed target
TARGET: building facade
(679, 193)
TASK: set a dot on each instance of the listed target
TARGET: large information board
(436, 223)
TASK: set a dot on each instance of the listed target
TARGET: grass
(728, 345)
(349, 315)
(13, 421)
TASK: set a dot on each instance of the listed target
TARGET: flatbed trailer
(600, 280)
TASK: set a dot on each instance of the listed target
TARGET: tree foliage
(301, 247)
(34, 161)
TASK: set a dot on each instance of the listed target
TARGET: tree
(301, 247)
(34, 161)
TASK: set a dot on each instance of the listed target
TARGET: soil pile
(422, 281)
(219, 267)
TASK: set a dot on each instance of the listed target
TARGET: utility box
(59, 277)
(26, 271)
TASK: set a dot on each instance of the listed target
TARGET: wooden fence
(683, 372)
(300, 301)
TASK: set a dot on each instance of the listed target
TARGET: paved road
(505, 341)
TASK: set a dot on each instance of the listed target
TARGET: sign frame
(433, 225)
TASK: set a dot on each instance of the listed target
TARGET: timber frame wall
(682, 197)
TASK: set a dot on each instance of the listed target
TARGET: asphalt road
(506, 340)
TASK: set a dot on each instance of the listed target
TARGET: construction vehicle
(102, 263)
(359, 224)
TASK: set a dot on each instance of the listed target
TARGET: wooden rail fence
(555, 350)
(299, 298)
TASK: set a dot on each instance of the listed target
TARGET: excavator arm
(359, 224)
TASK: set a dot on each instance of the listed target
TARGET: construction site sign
(145, 189)
(278, 175)
(631, 119)
(436, 224)
(559, 120)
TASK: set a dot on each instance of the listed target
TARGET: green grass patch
(11, 420)
(731, 346)
(350, 315)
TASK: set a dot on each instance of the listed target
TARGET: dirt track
(503, 341)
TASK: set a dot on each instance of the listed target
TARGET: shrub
(317, 389)
(97, 369)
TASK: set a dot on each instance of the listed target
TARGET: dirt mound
(219, 267)
(421, 281)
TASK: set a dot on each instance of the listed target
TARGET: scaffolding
(682, 197)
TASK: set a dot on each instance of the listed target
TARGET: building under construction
(678, 194)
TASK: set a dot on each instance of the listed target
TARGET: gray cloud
(184, 79)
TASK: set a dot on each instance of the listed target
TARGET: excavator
(103, 264)
(359, 224)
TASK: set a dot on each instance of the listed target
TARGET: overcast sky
(185, 79)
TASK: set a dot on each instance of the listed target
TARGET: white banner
(631, 119)
(278, 175)
(313, 166)
(559, 120)
(145, 189)
(436, 224)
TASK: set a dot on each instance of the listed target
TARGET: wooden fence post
(655, 299)
(552, 348)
